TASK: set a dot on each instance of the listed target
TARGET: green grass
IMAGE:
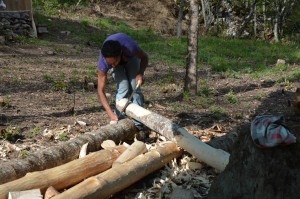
(232, 56)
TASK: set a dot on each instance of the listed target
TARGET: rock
(90, 86)
(280, 62)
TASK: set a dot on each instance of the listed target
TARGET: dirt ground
(49, 90)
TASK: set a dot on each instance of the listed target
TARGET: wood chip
(107, 144)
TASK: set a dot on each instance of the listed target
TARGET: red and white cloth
(268, 131)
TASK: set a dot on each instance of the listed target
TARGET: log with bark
(216, 158)
(116, 179)
(66, 151)
(65, 175)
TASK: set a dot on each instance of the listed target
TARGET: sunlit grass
(221, 55)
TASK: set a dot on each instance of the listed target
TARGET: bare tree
(207, 14)
(190, 84)
(180, 15)
(255, 21)
(282, 8)
(247, 18)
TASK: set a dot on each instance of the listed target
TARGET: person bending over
(126, 61)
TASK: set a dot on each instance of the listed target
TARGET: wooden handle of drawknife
(138, 84)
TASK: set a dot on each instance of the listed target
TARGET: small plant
(285, 83)
(260, 96)
(62, 136)
(7, 102)
(205, 92)
(178, 107)
(59, 86)
(23, 154)
(218, 112)
(48, 78)
(281, 67)
(60, 49)
(296, 75)
(11, 134)
(203, 102)
(34, 132)
(232, 74)
(186, 95)
(231, 98)
(256, 75)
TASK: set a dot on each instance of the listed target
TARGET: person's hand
(140, 78)
(113, 122)
(113, 118)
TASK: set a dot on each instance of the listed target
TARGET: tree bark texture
(225, 142)
(65, 175)
(66, 151)
(216, 158)
(255, 173)
(190, 84)
(118, 178)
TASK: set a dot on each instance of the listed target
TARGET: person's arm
(103, 99)
(144, 63)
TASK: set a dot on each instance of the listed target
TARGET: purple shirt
(129, 49)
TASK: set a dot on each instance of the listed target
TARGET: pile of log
(108, 168)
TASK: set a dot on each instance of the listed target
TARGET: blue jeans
(125, 75)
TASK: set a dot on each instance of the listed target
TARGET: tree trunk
(255, 22)
(256, 173)
(66, 175)
(204, 13)
(247, 19)
(275, 28)
(264, 16)
(66, 151)
(118, 178)
(190, 84)
(225, 142)
(180, 15)
(214, 157)
(217, 17)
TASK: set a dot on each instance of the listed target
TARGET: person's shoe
(143, 133)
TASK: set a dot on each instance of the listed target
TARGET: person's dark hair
(111, 48)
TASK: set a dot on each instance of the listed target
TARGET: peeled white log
(131, 152)
(118, 178)
(216, 158)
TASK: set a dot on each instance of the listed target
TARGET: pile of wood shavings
(188, 174)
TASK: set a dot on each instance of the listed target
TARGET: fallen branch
(66, 175)
(216, 158)
(116, 179)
